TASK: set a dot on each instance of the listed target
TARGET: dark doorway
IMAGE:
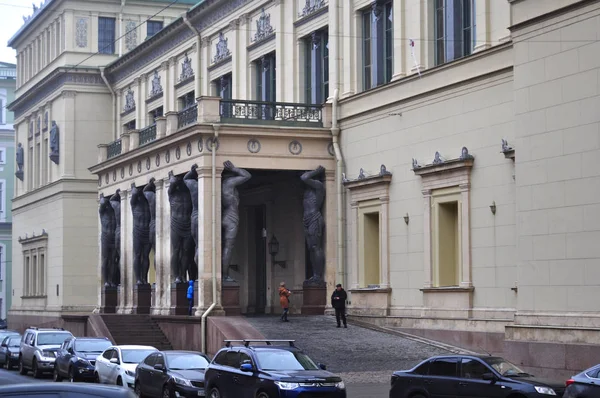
(260, 248)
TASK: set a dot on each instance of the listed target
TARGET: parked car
(75, 390)
(265, 371)
(76, 358)
(585, 384)
(3, 324)
(470, 376)
(9, 351)
(6, 332)
(117, 364)
(38, 349)
(171, 374)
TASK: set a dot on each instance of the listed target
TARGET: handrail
(187, 116)
(264, 112)
(148, 134)
(113, 149)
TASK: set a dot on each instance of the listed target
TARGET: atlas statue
(140, 211)
(107, 241)
(314, 196)
(182, 243)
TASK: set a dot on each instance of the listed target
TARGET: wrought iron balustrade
(148, 134)
(113, 149)
(187, 116)
(281, 113)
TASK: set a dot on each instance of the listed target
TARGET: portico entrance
(270, 211)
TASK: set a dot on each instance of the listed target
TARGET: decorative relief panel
(186, 69)
(81, 32)
(155, 85)
(309, 7)
(221, 48)
(264, 28)
(131, 35)
(129, 101)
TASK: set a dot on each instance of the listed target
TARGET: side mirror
(159, 366)
(322, 367)
(114, 360)
(246, 367)
(4, 345)
(489, 377)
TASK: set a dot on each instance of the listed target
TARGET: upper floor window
(223, 86)
(265, 78)
(187, 100)
(153, 27)
(2, 155)
(2, 198)
(316, 76)
(454, 29)
(377, 44)
(1, 112)
(106, 35)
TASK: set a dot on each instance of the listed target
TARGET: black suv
(268, 371)
(76, 357)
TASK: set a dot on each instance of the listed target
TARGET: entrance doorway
(258, 240)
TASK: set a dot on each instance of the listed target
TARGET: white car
(117, 364)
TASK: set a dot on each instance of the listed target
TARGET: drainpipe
(114, 106)
(335, 134)
(198, 46)
(214, 235)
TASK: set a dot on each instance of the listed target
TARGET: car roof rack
(38, 328)
(247, 342)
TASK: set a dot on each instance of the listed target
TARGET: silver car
(38, 349)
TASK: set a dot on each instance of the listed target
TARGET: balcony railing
(187, 116)
(258, 112)
(113, 149)
(148, 135)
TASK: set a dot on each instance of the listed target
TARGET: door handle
(462, 384)
(235, 379)
(218, 374)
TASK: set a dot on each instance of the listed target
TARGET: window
(444, 367)
(454, 29)
(153, 27)
(2, 155)
(232, 359)
(108, 354)
(284, 360)
(1, 112)
(223, 86)
(265, 78)
(423, 370)
(1, 262)
(160, 360)
(472, 369)
(129, 126)
(187, 100)
(221, 358)
(371, 249)
(151, 360)
(316, 67)
(594, 373)
(377, 44)
(447, 244)
(156, 113)
(2, 199)
(106, 35)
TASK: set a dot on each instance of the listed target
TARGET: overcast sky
(11, 19)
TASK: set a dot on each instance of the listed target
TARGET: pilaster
(119, 95)
(400, 42)
(168, 87)
(124, 292)
(204, 62)
(164, 212)
(427, 241)
(350, 20)
(482, 23)
(49, 164)
(67, 136)
(172, 72)
(384, 269)
(159, 249)
(334, 47)
(127, 249)
(237, 48)
(465, 231)
(354, 259)
(330, 241)
(280, 55)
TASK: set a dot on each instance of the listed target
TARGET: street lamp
(273, 250)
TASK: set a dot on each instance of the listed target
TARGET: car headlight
(340, 385)
(130, 373)
(181, 381)
(48, 354)
(545, 390)
(83, 361)
(286, 386)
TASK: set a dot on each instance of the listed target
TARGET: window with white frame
(2, 155)
(454, 26)
(2, 254)
(2, 199)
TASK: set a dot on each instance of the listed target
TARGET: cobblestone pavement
(358, 355)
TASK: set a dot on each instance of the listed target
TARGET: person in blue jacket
(190, 297)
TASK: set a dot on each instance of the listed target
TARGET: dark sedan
(76, 358)
(170, 374)
(585, 384)
(74, 390)
(470, 376)
(9, 351)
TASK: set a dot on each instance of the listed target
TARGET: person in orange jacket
(284, 300)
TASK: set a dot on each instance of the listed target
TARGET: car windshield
(186, 361)
(91, 345)
(284, 360)
(14, 341)
(504, 367)
(52, 338)
(135, 356)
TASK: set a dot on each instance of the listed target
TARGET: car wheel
(96, 378)
(22, 370)
(166, 393)
(215, 393)
(262, 394)
(119, 381)
(7, 365)
(72, 377)
(36, 372)
(138, 389)
(56, 375)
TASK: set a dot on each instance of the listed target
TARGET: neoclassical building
(459, 140)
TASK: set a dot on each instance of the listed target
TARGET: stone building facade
(60, 49)
(459, 140)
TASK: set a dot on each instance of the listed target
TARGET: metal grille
(257, 112)
(187, 116)
(199, 384)
(148, 135)
(113, 149)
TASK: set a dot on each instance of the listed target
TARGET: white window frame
(2, 155)
(2, 263)
(3, 200)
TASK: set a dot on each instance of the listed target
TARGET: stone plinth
(179, 301)
(142, 299)
(230, 298)
(109, 300)
(314, 299)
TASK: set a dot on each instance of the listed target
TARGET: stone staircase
(136, 330)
